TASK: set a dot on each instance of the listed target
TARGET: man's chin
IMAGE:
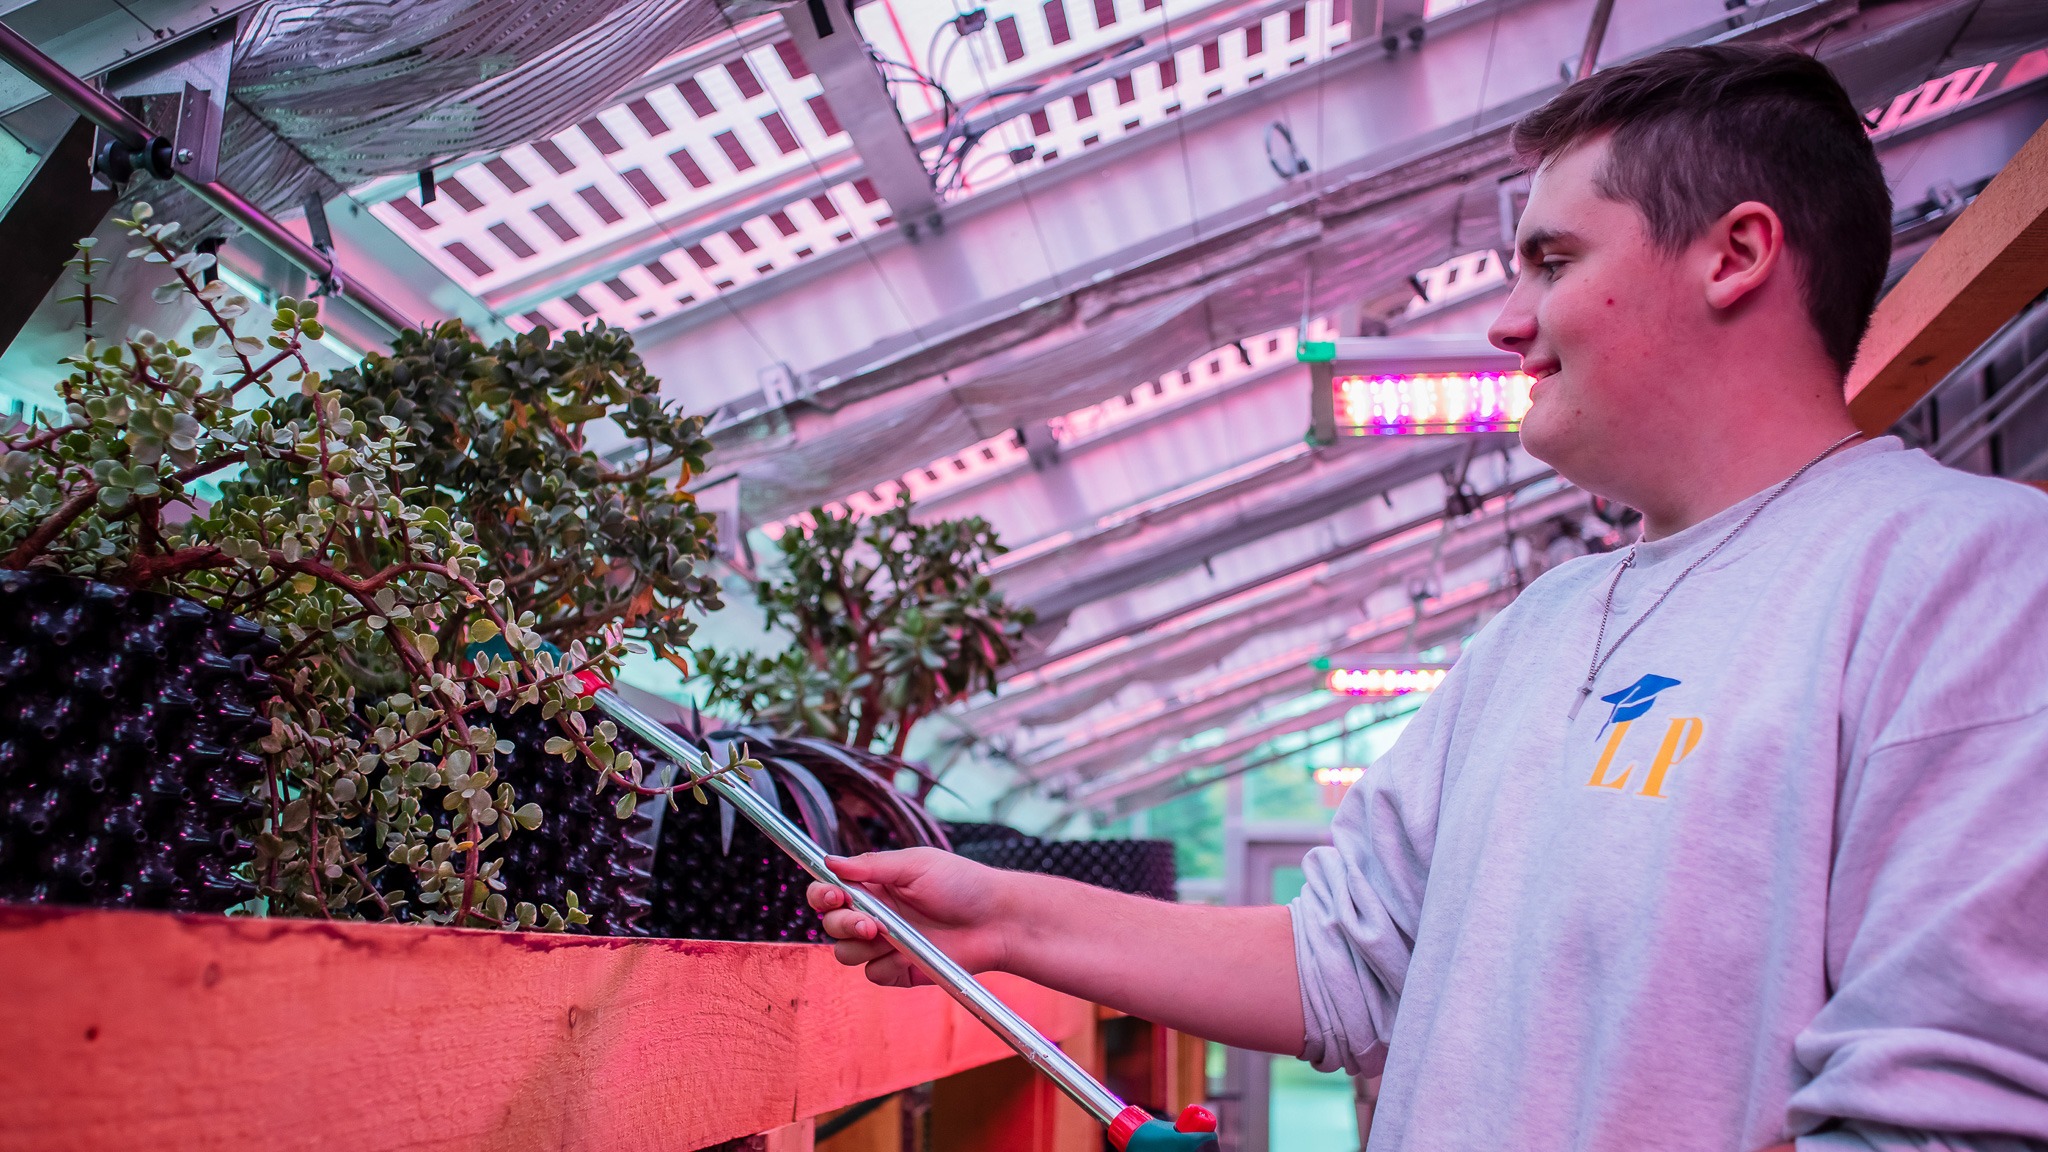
(1542, 438)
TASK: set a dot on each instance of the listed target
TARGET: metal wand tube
(1042, 1053)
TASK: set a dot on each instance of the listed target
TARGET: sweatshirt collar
(1688, 542)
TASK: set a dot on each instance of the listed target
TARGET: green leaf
(626, 805)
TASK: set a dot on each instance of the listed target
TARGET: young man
(1734, 837)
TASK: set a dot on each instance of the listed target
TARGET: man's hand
(954, 901)
(1222, 973)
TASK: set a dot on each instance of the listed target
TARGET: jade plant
(335, 512)
(892, 618)
(501, 438)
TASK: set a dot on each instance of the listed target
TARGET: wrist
(1014, 920)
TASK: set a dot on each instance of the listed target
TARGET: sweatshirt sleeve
(1935, 1033)
(1355, 920)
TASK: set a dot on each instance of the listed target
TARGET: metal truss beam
(1082, 791)
(1053, 663)
(88, 37)
(1130, 735)
(1226, 761)
(1177, 531)
(1333, 589)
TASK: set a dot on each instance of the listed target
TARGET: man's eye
(1551, 268)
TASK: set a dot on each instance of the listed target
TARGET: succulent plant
(892, 618)
(338, 517)
(501, 438)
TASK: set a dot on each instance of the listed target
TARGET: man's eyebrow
(1539, 239)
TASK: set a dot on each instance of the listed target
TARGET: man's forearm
(1225, 974)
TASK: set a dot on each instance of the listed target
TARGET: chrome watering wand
(1131, 1128)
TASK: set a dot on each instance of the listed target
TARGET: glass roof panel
(727, 164)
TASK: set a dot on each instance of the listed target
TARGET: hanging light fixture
(1401, 386)
(1384, 683)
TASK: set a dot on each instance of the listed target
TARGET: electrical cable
(1052, 268)
(1180, 127)
(953, 116)
(810, 158)
(1486, 71)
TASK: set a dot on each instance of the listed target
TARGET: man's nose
(1515, 328)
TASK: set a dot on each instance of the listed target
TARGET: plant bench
(166, 1031)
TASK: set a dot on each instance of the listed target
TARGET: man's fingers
(848, 924)
(852, 952)
(824, 897)
(895, 971)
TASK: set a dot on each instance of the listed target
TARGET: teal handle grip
(1159, 1136)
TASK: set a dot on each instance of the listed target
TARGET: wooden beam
(151, 1030)
(1982, 271)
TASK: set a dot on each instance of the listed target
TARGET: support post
(55, 208)
(1983, 270)
(1596, 32)
(854, 87)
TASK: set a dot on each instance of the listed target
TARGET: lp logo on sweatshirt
(1631, 704)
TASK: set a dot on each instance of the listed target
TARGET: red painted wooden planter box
(161, 1031)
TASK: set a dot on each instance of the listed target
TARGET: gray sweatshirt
(1786, 873)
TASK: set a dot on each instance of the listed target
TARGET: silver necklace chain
(1607, 609)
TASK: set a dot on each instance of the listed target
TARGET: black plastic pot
(127, 775)
(581, 845)
(1143, 867)
(719, 878)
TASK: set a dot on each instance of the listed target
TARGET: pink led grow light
(1384, 682)
(1409, 404)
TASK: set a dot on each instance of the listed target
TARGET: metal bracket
(180, 92)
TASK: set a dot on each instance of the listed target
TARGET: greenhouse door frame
(1253, 854)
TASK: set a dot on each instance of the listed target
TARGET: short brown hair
(1697, 131)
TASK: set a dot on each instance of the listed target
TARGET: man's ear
(1743, 250)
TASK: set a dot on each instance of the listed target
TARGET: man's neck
(1712, 473)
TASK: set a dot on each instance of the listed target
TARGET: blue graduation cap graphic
(1635, 699)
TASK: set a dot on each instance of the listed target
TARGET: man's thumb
(872, 868)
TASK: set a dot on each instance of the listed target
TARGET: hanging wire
(1486, 72)
(989, 91)
(1323, 53)
(811, 159)
(1322, 67)
(1180, 127)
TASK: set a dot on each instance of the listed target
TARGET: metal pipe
(1595, 33)
(1040, 1052)
(118, 122)
(89, 101)
(2009, 400)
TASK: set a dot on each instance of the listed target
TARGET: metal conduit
(1596, 32)
(102, 110)
(1973, 430)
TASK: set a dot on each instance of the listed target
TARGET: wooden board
(1977, 276)
(150, 1030)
